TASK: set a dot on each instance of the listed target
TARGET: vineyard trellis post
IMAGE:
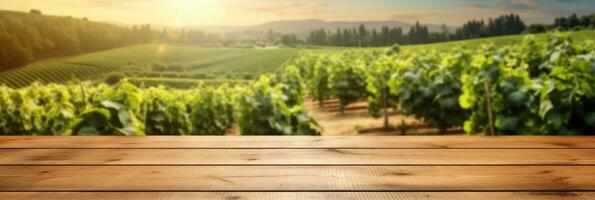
(385, 104)
(489, 108)
(83, 93)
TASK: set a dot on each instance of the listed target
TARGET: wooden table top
(262, 167)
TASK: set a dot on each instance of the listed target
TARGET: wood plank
(296, 195)
(297, 157)
(434, 142)
(297, 178)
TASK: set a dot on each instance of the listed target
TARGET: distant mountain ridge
(303, 27)
(297, 26)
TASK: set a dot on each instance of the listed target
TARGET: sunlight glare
(195, 12)
(161, 49)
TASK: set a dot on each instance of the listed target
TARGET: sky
(181, 13)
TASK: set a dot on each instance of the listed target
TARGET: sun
(194, 12)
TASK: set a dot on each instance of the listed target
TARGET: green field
(184, 66)
(499, 41)
(471, 44)
(153, 61)
(183, 83)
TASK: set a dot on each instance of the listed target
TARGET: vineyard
(536, 87)
(153, 62)
(472, 44)
(542, 85)
(124, 109)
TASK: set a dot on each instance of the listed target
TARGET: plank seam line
(291, 191)
(297, 165)
(277, 148)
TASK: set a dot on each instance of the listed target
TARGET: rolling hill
(156, 64)
(29, 37)
(584, 35)
(152, 61)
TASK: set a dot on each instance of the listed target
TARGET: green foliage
(57, 109)
(393, 50)
(269, 106)
(158, 64)
(29, 37)
(428, 87)
(113, 111)
(263, 109)
(319, 82)
(166, 112)
(314, 71)
(114, 78)
(347, 79)
(539, 85)
(123, 109)
(18, 113)
(508, 24)
(291, 85)
(546, 90)
(184, 83)
(211, 110)
(107, 118)
(377, 79)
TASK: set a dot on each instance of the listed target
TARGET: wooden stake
(83, 93)
(489, 108)
(385, 95)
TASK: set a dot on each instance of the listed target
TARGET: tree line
(508, 24)
(27, 37)
(503, 25)
(571, 22)
(187, 36)
(33, 36)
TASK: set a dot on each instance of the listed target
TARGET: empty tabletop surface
(300, 167)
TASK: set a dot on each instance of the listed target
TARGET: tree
(338, 41)
(573, 21)
(271, 35)
(445, 32)
(289, 40)
(346, 37)
(536, 28)
(318, 37)
(362, 36)
(30, 37)
(419, 34)
(35, 12)
(385, 36)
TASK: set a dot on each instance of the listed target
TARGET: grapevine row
(536, 87)
(269, 106)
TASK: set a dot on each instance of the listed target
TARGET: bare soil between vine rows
(356, 121)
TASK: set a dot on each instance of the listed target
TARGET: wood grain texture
(297, 195)
(297, 157)
(435, 142)
(263, 168)
(297, 178)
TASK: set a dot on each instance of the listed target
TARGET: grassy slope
(181, 83)
(498, 41)
(212, 60)
(473, 43)
(139, 58)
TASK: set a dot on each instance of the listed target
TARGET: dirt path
(355, 120)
